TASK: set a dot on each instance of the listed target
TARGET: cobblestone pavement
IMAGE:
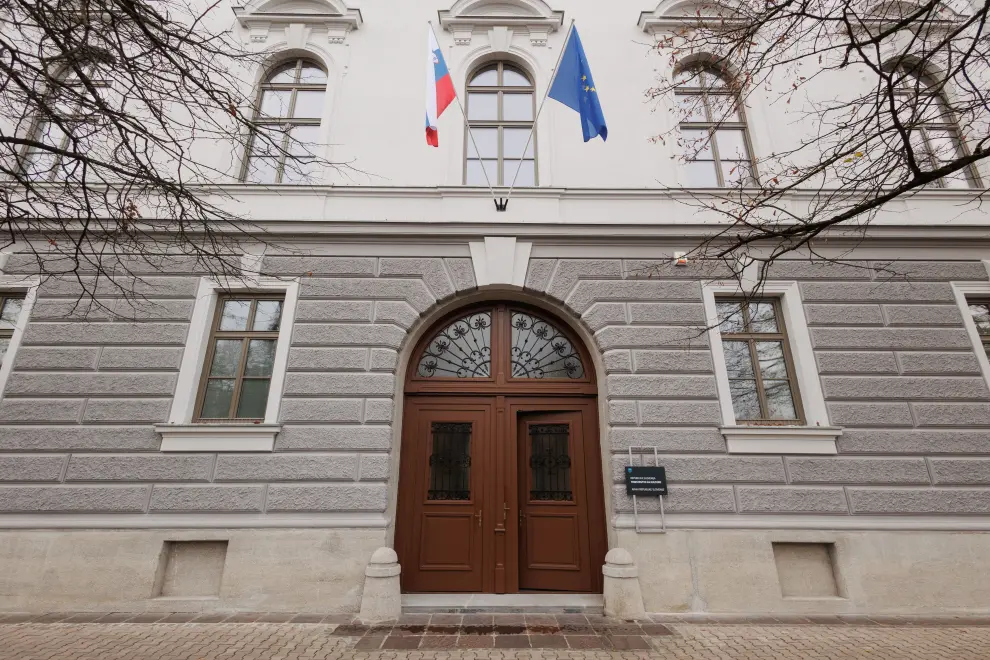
(314, 641)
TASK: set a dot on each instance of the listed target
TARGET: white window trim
(180, 434)
(28, 286)
(818, 436)
(963, 291)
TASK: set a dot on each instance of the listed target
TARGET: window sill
(781, 439)
(218, 437)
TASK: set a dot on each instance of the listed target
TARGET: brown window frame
(914, 88)
(73, 120)
(500, 89)
(245, 336)
(289, 122)
(751, 338)
(697, 86)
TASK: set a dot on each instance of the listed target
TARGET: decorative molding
(259, 20)
(781, 439)
(952, 195)
(175, 521)
(296, 35)
(500, 38)
(913, 523)
(534, 18)
(337, 34)
(672, 15)
(191, 368)
(462, 35)
(887, 14)
(257, 31)
(500, 260)
(538, 38)
(217, 437)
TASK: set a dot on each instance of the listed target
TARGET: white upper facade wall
(374, 108)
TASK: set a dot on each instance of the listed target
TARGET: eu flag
(574, 87)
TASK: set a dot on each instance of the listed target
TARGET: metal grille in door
(450, 462)
(550, 463)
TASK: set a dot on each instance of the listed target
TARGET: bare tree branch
(908, 110)
(106, 108)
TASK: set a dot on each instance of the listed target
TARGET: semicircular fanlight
(462, 349)
(540, 350)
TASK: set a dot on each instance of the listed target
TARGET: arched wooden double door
(500, 485)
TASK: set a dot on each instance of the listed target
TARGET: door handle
(505, 511)
(478, 516)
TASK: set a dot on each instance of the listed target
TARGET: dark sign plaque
(643, 480)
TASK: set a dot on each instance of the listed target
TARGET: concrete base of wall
(322, 570)
(812, 572)
(300, 570)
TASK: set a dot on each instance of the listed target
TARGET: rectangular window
(240, 358)
(10, 310)
(762, 383)
(980, 311)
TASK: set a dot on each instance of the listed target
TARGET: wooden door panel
(455, 549)
(457, 530)
(553, 542)
(555, 545)
(446, 454)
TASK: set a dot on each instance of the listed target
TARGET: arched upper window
(935, 135)
(501, 103)
(712, 128)
(288, 113)
(73, 124)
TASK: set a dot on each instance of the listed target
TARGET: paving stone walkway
(476, 637)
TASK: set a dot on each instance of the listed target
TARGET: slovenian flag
(439, 89)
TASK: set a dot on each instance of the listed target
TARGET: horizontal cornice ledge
(193, 521)
(700, 194)
(652, 25)
(810, 522)
(971, 241)
(259, 24)
(818, 440)
(549, 23)
(217, 437)
(439, 192)
(602, 233)
(352, 18)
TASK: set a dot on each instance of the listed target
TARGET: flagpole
(539, 111)
(468, 124)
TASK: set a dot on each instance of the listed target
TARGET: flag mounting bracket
(501, 203)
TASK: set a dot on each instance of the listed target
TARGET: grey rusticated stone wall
(897, 370)
(76, 422)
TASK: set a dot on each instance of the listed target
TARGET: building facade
(405, 366)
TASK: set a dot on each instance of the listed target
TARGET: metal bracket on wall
(663, 522)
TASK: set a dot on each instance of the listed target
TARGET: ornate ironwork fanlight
(462, 349)
(540, 350)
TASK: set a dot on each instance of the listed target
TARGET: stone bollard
(382, 597)
(623, 598)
